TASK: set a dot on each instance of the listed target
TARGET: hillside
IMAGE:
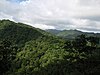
(71, 34)
(19, 33)
(25, 50)
(53, 31)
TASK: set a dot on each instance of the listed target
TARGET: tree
(7, 54)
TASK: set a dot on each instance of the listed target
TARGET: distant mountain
(19, 33)
(53, 31)
(71, 34)
(25, 50)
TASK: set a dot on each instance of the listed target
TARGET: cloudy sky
(54, 14)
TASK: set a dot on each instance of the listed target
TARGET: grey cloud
(92, 18)
(60, 14)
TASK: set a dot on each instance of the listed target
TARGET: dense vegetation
(25, 50)
(19, 33)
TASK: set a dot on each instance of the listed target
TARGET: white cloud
(5, 16)
(61, 14)
(43, 26)
(85, 24)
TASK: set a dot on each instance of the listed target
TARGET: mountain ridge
(19, 33)
(71, 34)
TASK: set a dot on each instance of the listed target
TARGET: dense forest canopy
(25, 50)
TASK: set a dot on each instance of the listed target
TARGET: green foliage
(71, 34)
(18, 33)
(39, 53)
(7, 54)
(50, 56)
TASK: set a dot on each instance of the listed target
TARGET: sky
(83, 15)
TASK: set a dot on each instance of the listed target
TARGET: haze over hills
(12, 31)
(25, 50)
(54, 14)
(49, 37)
(71, 34)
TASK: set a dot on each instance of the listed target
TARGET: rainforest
(25, 50)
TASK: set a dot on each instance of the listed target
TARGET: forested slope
(19, 33)
(25, 50)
